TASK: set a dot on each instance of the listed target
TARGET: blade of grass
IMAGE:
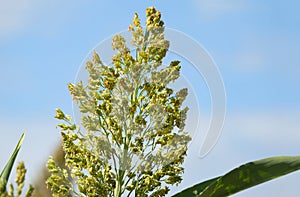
(8, 167)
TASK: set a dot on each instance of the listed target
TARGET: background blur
(255, 44)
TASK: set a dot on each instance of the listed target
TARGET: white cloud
(211, 9)
(273, 131)
(40, 141)
(250, 60)
(257, 52)
(14, 16)
(17, 15)
(249, 136)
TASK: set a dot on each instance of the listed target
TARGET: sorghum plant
(131, 140)
(20, 179)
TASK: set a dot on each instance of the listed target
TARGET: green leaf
(8, 167)
(196, 189)
(245, 176)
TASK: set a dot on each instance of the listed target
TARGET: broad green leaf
(252, 174)
(196, 189)
(246, 176)
(8, 167)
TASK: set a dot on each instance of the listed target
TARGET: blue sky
(255, 44)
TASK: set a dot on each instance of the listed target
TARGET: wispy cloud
(211, 9)
(18, 15)
(250, 59)
(248, 136)
(14, 15)
(275, 131)
(261, 52)
(40, 140)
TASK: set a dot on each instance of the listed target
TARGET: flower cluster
(131, 139)
(20, 181)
